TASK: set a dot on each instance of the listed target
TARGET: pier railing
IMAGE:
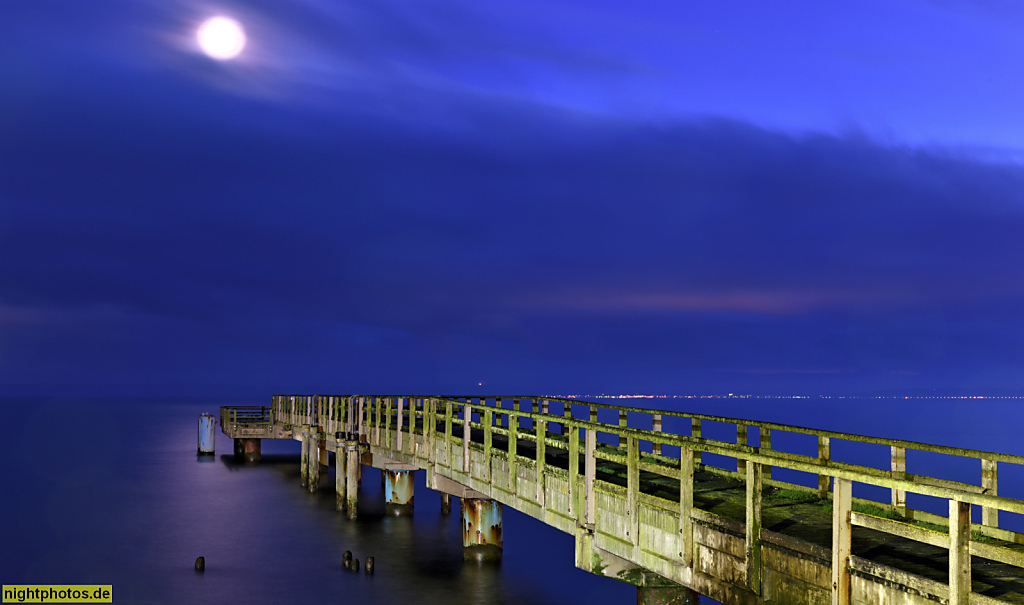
(641, 440)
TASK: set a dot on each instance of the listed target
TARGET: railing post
(399, 419)
(448, 433)
(765, 437)
(656, 447)
(622, 423)
(898, 465)
(467, 434)
(361, 426)
(741, 439)
(387, 420)
(824, 455)
(695, 433)
(567, 412)
(959, 552)
(990, 483)
(842, 530)
(488, 420)
(590, 475)
(753, 526)
(513, 446)
(633, 489)
(593, 413)
(379, 419)
(542, 434)
(686, 506)
(574, 470)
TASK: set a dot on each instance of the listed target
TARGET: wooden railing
(400, 422)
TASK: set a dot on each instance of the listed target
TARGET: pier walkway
(763, 513)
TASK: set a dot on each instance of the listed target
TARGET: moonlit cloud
(440, 194)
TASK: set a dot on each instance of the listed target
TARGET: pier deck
(652, 501)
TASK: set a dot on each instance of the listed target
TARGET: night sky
(544, 197)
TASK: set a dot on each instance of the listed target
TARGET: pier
(763, 513)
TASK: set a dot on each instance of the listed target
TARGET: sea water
(112, 492)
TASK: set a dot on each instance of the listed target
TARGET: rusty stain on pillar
(207, 434)
(398, 492)
(248, 449)
(666, 595)
(481, 529)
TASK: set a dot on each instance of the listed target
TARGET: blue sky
(542, 197)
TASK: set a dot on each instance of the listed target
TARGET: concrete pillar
(398, 492)
(666, 595)
(352, 478)
(313, 459)
(304, 461)
(207, 434)
(339, 471)
(446, 503)
(481, 529)
(248, 449)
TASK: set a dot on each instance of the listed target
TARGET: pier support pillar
(248, 449)
(666, 595)
(313, 458)
(304, 461)
(398, 492)
(446, 504)
(352, 478)
(339, 471)
(207, 434)
(481, 529)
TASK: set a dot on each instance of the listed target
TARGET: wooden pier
(653, 502)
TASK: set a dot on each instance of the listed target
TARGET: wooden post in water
(959, 552)
(842, 530)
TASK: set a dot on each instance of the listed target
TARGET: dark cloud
(160, 231)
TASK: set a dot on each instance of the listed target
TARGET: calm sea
(111, 492)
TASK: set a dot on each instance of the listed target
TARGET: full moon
(221, 38)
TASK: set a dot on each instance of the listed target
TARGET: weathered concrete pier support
(248, 449)
(481, 529)
(352, 478)
(304, 460)
(339, 471)
(207, 434)
(313, 460)
(446, 504)
(398, 492)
